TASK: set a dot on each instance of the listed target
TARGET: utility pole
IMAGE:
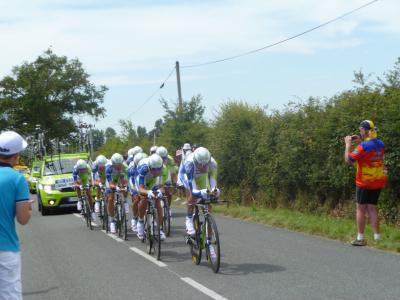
(178, 80)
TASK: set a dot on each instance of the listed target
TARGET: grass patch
(341, 229)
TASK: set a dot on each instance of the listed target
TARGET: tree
(50, 91)
(98, 138)
(110, 134)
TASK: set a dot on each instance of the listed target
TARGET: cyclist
(186, 150)
(132, 174)
(149, 186)
(116, 174)
(168, 173)
(200, 171)
(99, 178)
(131, 154)
(82, 176)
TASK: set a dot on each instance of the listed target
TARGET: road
(62, 259)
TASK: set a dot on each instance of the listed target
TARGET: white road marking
(78, 215)
(148, 257)
(113, 236)
(203, 289)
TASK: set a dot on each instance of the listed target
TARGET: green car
(34, 176)
(55, 187)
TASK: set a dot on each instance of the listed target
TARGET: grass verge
(322, 225)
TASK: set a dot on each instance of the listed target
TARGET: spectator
(14, 202)
(370, 176)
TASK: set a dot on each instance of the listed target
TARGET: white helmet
(202, 156)
(153, 149)
(101, 160)
(187, 146)
(11, 143)
(138, 157)
(155, 161)
(162, 151)
(117, 158)
(135, 150)
(81, 164)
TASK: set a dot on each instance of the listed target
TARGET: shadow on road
(243, 269)
(40, 292)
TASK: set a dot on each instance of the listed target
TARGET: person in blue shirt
(14, 203)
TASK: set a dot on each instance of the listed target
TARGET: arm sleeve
(75, 174)
(22, 192)
(357, 153)
(108, 173)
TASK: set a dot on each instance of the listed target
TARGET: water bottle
(79, 205)
(97, 206)
(126, 205)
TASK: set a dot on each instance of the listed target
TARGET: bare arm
(23, 211)
(347, 150)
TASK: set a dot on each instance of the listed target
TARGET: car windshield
(62, 166)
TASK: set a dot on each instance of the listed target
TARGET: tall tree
(50, 91)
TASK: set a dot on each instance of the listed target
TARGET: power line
(282, 41)
(152, 95)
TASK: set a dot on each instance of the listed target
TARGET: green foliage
(50, 92)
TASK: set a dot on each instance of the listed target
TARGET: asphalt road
(62, 259)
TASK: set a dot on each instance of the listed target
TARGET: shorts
(364, 196)
(10, 275)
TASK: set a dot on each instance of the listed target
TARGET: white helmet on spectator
(117, 158)
(155, 161)
(81, 164)
(186, 146)
(162, 151)
(101, 160)
(202, 156)
(138, 157)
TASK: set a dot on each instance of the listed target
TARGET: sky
(132, 46)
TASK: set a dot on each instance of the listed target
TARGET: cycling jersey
(195, 179)
(98, 174)
(83, 176)
(114, 175)
(168, 170)
(182, 180)
(145, 178)
(370, 168)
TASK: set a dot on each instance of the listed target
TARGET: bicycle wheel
(196, 246)
(105, 217)
(148, 235)
(156, 235)
(124, 225)
(118, 218)
(166, 219)
(212, 241)
(89, 215)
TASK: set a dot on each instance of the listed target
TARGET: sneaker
(358, 242)
(140, 230)
(126, 205)
(162, 235)
(97, 207)
(211, 250)
(134, 225)
(79, 205)
(112, 227)
(94, 215)
(189, 226)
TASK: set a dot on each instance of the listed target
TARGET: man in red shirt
(370, 176)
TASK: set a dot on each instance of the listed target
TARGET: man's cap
(367, 125)
(11, 143)
(187, 146)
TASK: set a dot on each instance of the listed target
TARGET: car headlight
(48, 188)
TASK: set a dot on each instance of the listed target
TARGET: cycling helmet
(153, 149)
(187, 146)
(162, 151)
(138, 157)
(202, 156)
(101, 160)
(135, 150)
(117, 158)
(155, 161)
(81, 164)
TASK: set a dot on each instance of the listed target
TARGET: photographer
(370, 176)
